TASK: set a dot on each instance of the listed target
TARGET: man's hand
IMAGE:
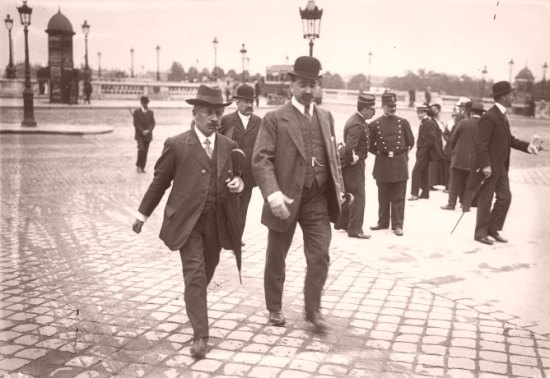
(534, 149)
(354, 157)
(278, 207)
(486, 171)
(146, 132)
(236, 185)
(136, 227)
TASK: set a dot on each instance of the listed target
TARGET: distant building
(523, 85)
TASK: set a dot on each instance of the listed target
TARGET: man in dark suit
(197, 163)
(494, 142)
(427, 149)
(356, 139)
(462, 147)
(144, 122)
(242, 126)
(296, 166)
(391, 138)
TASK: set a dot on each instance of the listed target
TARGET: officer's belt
(391, 153)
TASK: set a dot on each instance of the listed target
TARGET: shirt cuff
(141, 217)
(273, 195)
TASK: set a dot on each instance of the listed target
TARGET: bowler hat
(367, 99)
(389, 98)
(306, 67)
(501, 88)
(208, 96)
(477, 106)
(144, 100)
(245, 92)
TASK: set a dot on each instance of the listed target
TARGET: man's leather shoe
(448, 207)
(413, 198)
(484, 240)
(360, 236)
(277, 318)
(378, 227)
(198, 349)
(318, 323)
(498, 238)
(398, 231)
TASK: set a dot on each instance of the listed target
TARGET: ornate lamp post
(483, 75)
(370, 57)
(86, 30)
(10, 68)
(99, 64)
(311, 22)
(132, 62)
(511, 63)
(28, 96)
(158, 61)
(215, 44)
(243, 56)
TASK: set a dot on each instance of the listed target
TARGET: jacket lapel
(324, 125)
(222, 153)
(293, 127)
(197, 151)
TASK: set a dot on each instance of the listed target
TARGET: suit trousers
(491, 221)
(244, 200)
(315, 224)
(354, 182)
(199, 257)
(459, 182)
(391, 200)
(420, 175)
(143, 149)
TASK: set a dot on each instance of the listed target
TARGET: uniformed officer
(391, 138)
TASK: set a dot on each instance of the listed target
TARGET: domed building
(523, 85)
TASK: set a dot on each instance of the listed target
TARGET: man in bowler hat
(296, 166)
(144, 123)
(494, 143)
(355, 151)
(242, 126)
(197, 163)
(391, 138)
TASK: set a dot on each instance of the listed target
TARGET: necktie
(308, 111)
(207, 148)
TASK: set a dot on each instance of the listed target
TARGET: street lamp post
(99, 64)
(544, 68)
(86, 30)
(511, 63)
(311, 22)
(215, 44)
(132, 62)
(243, 56)
(10, 68)
(370, 57)
(483, 75)
(28, 96)
(158, 63)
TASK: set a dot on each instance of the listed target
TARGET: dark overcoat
(142, 122)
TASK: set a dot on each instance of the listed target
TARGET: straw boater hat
(208, 96)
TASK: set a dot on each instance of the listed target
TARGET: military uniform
(391, 138)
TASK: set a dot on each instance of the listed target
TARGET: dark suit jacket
(144, 122)
(462, 144)
(494, 142)
(184, 164)
(279, 162)
(356, 139)
(429, 140)
(233, 128)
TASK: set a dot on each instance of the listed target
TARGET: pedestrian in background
(87, 91)
(494, 143)
(297, 168)
(354, 153)
(439, 163)
(197, 163)
(258, 91)
(144, 123)
(390, 140)
(242, 126)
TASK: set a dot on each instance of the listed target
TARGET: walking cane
(130, 110)
(476, 190)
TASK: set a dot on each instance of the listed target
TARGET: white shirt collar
(244, 119)
(301, 108)
(501, 107)
(143, 110)
(202, 137)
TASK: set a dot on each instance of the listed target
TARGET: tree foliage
(177, 73)
(333, 81)
(359, 82)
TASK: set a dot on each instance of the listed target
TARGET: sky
(457, 37)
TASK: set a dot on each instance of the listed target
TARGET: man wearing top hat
(296, 166)
(391, 138)
(356, 139)
(494, 143)
(197, 163)
(242, 126)
(144, 122)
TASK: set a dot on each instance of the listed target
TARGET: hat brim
(498, 94)
(194, 101)
(244, 98)
(304, 75)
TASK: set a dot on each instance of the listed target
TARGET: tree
(358, 82)
(177, 73)
(192, 74)
(232, 74)
(331, 81)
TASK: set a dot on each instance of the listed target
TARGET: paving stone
(526, 371)
(264, 372)
(493, 367)
(461, 363)
(12, 364)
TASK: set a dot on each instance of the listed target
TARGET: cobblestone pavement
(83, 296)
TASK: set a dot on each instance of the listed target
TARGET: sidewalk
(83, 296)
